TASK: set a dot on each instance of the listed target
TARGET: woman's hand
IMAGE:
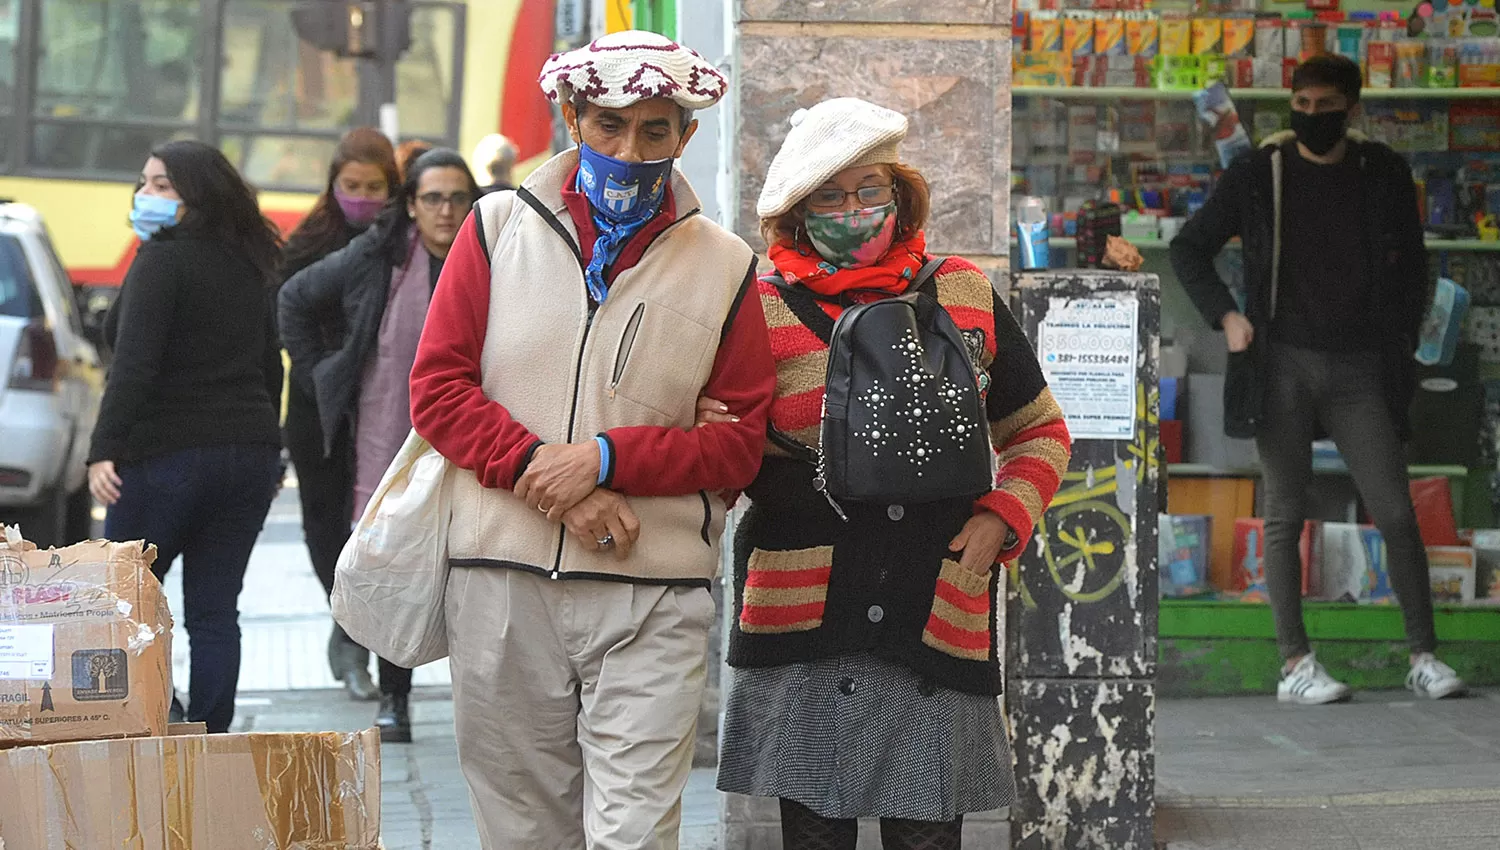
(604, 514)
(104, 483)
(982, 539)
(712, 411)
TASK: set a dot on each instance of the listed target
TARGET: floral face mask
(854, 239)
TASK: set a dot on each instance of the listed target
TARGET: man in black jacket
(1336, 286)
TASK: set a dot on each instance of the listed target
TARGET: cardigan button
(926, 688)
(895, 512)
(876, 613)
(847, 686)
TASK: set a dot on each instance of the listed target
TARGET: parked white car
(51, 382)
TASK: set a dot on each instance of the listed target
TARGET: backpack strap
(803, 302)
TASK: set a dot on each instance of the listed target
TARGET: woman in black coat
(186, 452)
(362, 178)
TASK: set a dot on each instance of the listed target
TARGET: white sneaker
(1433, 679)
(1309, 684)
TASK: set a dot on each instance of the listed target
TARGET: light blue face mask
(151, 213)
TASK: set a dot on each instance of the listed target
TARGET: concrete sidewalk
(1384, 772)
(424, 801)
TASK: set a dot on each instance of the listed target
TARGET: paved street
(1382, 773)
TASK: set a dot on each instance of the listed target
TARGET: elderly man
(577, 321)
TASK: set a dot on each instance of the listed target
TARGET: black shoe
(394, 720)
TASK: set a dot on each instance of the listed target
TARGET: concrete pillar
(945, 64)
(1081, 619)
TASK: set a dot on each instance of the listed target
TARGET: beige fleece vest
(643, 359)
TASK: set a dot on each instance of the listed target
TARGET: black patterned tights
(803, 829)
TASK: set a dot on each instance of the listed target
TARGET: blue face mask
(151, 213)
(622, 191)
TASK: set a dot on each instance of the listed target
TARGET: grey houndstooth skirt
(857, 736)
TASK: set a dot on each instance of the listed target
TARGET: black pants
(207, 505)
(1344, 393)
(325, 484)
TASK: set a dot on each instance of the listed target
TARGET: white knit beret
(622, 68)
(845, 132)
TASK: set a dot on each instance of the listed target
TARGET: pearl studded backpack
(903, 418)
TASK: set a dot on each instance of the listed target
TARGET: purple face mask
(358, 211)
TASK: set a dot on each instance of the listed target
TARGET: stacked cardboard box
(87, 758)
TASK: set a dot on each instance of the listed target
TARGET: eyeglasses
(869, 196)
(437, 200)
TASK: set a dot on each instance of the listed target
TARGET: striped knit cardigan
(809, 585)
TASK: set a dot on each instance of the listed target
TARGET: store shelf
(1126, 93)
(1068, 242)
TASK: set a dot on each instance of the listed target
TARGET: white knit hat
(845, 132)
(622, 68)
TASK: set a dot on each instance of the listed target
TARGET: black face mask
(1320, 132)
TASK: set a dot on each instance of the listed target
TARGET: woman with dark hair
(361, 181)
(381, 284)
(186, 452)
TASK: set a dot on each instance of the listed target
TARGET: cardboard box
(85, 643)
(198, 792)
(1451, 569)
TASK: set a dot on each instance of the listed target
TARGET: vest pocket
(786, 591)
(959, 624)
(627, 342)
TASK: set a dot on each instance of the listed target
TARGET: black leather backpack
(903, 419)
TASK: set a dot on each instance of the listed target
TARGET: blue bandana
(623, 197)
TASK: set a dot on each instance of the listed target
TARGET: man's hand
(604, 513)
(104, 482)
(981, 540)
(1238, 332)
(559, 477)
(712, 410)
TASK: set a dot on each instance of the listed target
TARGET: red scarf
(893, 273)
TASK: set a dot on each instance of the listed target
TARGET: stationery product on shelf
(1046, 32)
(1182, 552)
(1031, 233)
(1452, 572)
(1443, 324)
(1208, 36)
(1411, 64)
(1380, 65)
(1176, 36)
(1042, 68)
(1141, 34)
(1179, 73)
(1239, 36)
(1216, 111)
(1109, 35)
(1078, 33)
(1442, 64)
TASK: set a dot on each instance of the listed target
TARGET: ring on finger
(606, 541)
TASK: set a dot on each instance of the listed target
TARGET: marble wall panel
(877, 11)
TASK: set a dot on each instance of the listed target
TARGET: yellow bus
(87, 87)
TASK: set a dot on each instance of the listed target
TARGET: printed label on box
(100, 674)
(26, 652)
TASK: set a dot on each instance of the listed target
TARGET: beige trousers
(576, 704)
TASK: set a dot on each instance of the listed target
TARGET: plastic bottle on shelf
(1031, 234)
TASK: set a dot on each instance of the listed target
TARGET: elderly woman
(863, 645)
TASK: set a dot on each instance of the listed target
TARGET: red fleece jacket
(450, 410)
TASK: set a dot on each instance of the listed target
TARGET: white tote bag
(389, 584)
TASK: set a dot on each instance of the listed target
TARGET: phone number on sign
(1092, 359)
